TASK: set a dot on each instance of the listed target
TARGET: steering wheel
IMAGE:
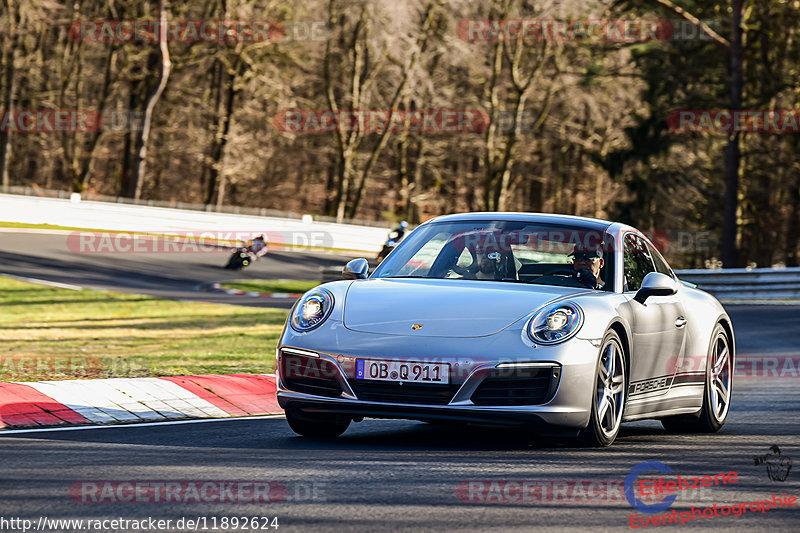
(562, 271)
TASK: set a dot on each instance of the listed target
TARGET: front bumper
(565, 409)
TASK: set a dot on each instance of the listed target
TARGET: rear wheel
(608, 394)
(317, 425)
(717, 394)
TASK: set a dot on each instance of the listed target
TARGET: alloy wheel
(610, 388)
(720, 378)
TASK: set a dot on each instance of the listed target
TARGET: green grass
(53, 333)
(290, 286)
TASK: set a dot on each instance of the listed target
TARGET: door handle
(680, 322)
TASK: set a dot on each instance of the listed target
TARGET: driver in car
(587, 267)
(489, 266)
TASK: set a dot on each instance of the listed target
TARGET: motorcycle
(241, 257)
(244, 255)
(393, 239)
(387, 247)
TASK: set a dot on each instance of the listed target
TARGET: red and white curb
(128, 400)
(217, 288)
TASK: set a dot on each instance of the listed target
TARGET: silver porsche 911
(560, 325)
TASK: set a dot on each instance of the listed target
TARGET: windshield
(504, 251)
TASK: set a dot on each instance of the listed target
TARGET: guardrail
(729, 284)
(746, 284)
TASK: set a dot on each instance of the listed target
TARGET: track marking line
(38, 281)
(139, 424)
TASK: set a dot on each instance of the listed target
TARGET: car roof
(540, 218)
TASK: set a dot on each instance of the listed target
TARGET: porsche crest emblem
(415, 327)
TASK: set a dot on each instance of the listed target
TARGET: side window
(638, 262)
(465, 260)
(421, 262)
(661, 265)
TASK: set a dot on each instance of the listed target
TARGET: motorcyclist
(399, 232)
(393, 238)
(587, 266)
(259, 245)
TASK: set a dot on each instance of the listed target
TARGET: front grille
(319, 387)
(310, 375)
(413, 393)
(517, 386)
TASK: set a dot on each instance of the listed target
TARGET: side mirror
(356, 269)
(655, 284)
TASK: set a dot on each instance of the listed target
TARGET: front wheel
(608, 394)
(318, 425)
(717, 393)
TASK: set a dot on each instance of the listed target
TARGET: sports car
(562, 326)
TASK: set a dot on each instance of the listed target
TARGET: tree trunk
(793, 225)
(152, 99)
(87, 161)
(730, 255)
(208, 179)
(427, 31)
(345, 173)
(10, 56)
(8, 106)
(217, 177)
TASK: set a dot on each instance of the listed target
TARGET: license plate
(403, 371)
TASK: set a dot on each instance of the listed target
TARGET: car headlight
(555, 323)
(312, 310)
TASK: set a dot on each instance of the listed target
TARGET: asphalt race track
(179, 276)
(393, 475)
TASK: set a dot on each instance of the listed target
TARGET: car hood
(443, 307)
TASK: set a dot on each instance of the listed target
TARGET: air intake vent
(413, 393)
(310, 375)
(517, 386)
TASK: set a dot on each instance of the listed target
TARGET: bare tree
(140, 163)
(11, 56)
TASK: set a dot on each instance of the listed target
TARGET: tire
(235, 262)
(717, 393)
(609, 394)
(319, 425)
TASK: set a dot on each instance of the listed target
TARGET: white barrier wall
(744, 284)
(124, 217)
